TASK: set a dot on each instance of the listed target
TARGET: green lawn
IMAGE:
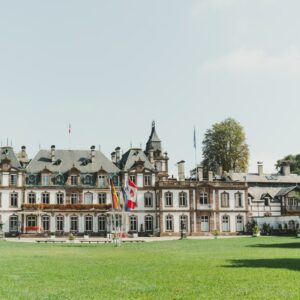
(253, 268)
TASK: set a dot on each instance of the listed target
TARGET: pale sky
(111, 67)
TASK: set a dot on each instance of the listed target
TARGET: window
(102, 198)
(46, 223)
(74, 180)
(205, 223)
(59, 198)
(148, 200)
(102, 223)
(88, 223)
(183, 225)
(45, 198)
(14, 200)
(31, 221)
(13, 223)
(292, 202)
(169, 223)
(31, 198)
(13, 179)
(168, 199)
(74, 198)
(238, 199)
(0, 201)
(225, 223)
(239, 224)
(132, 178)
(266, 201)
(203, 198)
(102, 181)
(133, 226)
(45, 180)
(59, 223)
(225, 199)
(182, 199)
(147, 180)
(149, 224)
(74, 223)
(88, 198)
(88, 180)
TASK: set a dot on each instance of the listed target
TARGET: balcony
(65, 207)
(205, 207)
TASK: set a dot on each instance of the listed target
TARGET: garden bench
(50, 241)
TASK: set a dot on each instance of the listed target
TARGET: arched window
(149, 223)
(168, 199)
(224, 199)
(239, 223)
(182, 199)
(148, 199)
(133, 225)
(13, 223)
(203, 198)
(225, 223)
(88, 198)
(32, 198)
(102, 223)
(88, 223)
(74, 223)
(169, 223)
(60, 223)
(183, 223)
(238, 198)
(46, 223)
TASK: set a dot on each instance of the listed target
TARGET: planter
(298, 235)
(52, 237)
(256, 234)
(135, 235)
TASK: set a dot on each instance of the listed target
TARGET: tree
(224, 146)
(294, 162)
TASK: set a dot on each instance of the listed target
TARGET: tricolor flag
(132, 190)
(115, 197)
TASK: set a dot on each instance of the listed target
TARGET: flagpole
(195, 147)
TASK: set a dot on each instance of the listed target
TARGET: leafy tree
(224, 146)
(293, 160)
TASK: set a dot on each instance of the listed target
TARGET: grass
(247, 268)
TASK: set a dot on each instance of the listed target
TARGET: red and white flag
(132, 190)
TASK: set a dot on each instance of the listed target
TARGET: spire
(154, 143)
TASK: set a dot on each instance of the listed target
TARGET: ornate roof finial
(153, 124)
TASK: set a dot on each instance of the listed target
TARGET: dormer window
(74, 180)
(133, 178)
(45, 180)
(13, 179)
(102, 181)
(147, 180)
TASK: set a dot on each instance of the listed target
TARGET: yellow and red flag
(115, 197)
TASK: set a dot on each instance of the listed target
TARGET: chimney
(118, 154)
(93, 154)
(23, 149)
(286, 168)
(210, 176)
(53, 153)
(181, 171)
(220, 170)
(260, 167)
(200, 173)
(113, 157)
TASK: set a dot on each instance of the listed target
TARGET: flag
(131, 195)
(195, 142)
(115, 197)
(125, 198)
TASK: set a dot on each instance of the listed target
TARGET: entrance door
(204, 223)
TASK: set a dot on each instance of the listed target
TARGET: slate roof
(265, 178)
(154, 143)
(285, 191)
(8, 153)
(67, 159)
(131, 157)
